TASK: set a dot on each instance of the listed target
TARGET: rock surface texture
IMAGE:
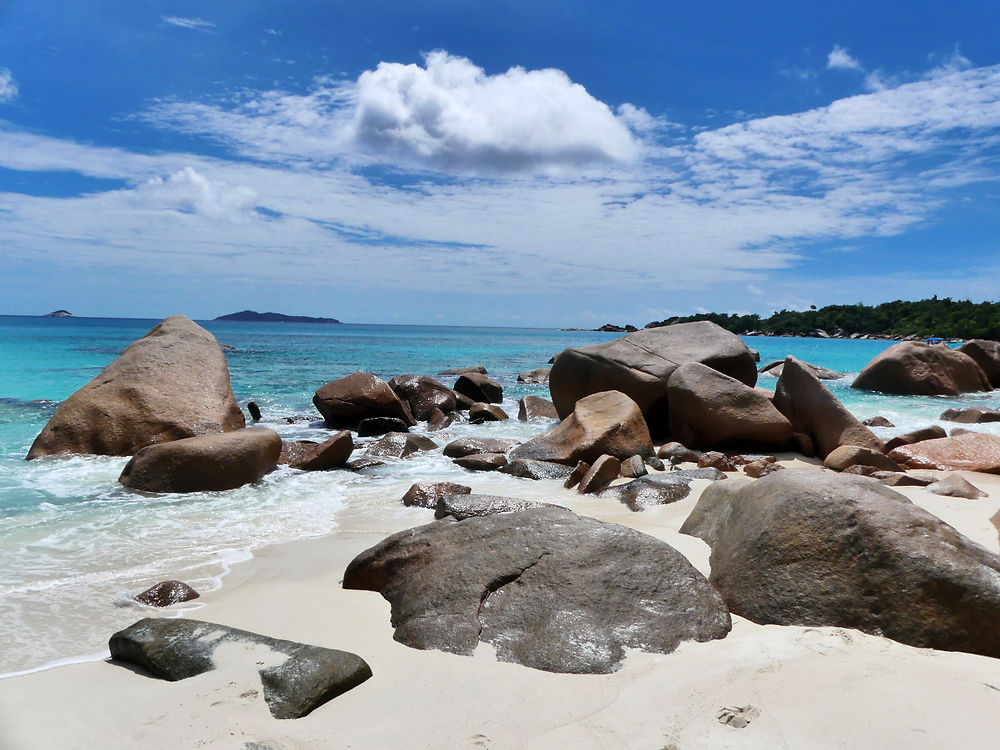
(331, 453)
(166, 594)
(710, 410)
(987, 355)
(640, 364)
(972, 451)
(549, 589)
(346, 401)
(173, 383)
(910, 368)
(535, 407)
(422, 394)
(813, 410)
(815, 549)
(297, 678)
(603, 423)
(206, 463)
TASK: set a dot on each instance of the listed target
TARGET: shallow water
(74, 544)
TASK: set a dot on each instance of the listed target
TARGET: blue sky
(502, 163)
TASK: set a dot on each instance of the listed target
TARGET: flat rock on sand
(972, 451)
(173, 383)
(464, 505)
(814, 548)
(549, 589)
(296, 677)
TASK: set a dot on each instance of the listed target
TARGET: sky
(504, 162)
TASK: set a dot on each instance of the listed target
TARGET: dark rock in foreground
(306, 678)
(166, 594)
(817, 549)
(207, 463)
(173, 383)
(547, 588)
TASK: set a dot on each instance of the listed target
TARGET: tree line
(945, 317)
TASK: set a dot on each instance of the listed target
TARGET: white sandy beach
(813, 687)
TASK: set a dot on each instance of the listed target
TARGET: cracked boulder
(296, 677)
(547, 588)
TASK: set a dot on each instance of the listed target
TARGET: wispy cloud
(195, 24)
(840, 59)
(311, 201)
(8, 86)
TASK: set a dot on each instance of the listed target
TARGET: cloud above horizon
(449, 114)
(840, 59)
(685, 212)
(195, 24)
(8, 86)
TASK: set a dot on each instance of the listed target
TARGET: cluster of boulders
(546, 587)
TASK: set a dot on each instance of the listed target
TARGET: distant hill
(251, 316)
(58, 314)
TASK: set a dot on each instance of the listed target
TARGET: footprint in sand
(737, 716)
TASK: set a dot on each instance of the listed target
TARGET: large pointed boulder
(813, 410)
(549, 589)
(640, 364)
(603, 423)
(911, 368)
(820, 549)
(711, 410)
(172, 383)
(346, 401)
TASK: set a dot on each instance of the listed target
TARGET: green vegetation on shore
(945, 317)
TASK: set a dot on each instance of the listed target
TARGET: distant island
(945, 318)
(251, 316)
(58, 314)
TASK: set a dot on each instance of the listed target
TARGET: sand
(801, 687)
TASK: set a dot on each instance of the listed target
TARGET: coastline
(815, 687)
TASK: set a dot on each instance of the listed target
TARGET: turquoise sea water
(74, 544)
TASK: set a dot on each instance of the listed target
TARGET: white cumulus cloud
(452, 113)
(448, 114)
(840, 59)
(8, 86)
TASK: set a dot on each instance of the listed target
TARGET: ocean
(75, 545)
